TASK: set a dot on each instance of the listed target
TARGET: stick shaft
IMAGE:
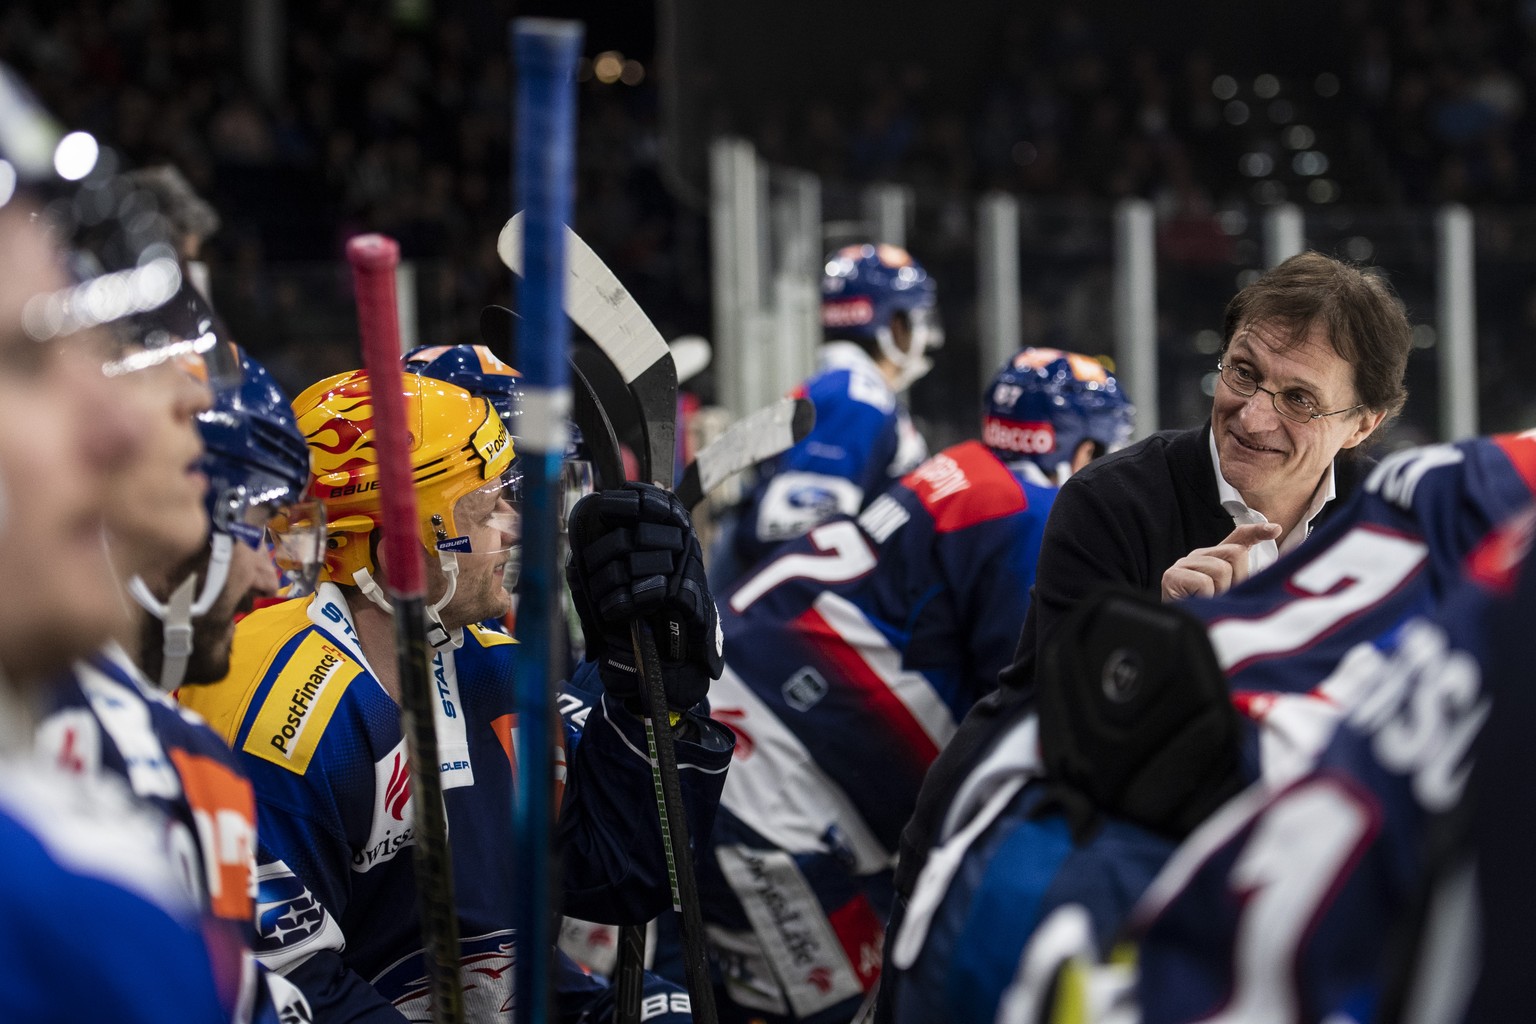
(545, 55)
(602, 307)
(373, 259)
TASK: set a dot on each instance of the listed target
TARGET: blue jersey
(1300, 643)
(95, 925)
(862, 441)
(851, 654)
(1293, 902)
(108, 719)
(322, 742)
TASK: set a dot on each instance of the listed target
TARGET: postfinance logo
(300, 704)
(493, 443)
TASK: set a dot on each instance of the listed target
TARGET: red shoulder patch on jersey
(1521, 449)
(1496, 561)
(965, 485)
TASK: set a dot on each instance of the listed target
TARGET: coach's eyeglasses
(1296, 406)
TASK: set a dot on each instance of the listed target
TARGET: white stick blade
(596, 301)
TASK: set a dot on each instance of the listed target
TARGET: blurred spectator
(393, 122)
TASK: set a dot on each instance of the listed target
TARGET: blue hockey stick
(545, 54)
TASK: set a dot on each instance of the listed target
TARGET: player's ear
(1086, 451)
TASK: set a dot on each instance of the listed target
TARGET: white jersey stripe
(776, 788)
(911, 688)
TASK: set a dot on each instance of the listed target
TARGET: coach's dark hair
(1365, 320)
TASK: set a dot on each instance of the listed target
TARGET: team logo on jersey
(805, 689)
(485, 974)
(300, 704)
(290, 922)
(1038, 438)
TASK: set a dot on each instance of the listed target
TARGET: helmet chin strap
(439, 636)
(178, 611)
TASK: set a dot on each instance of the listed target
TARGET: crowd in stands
(395, 117)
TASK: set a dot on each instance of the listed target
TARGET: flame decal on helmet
(456, 441)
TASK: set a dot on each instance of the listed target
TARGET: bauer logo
(1024, 438)
(847, 313)
(300, 704)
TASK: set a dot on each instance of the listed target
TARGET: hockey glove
(1136, 718)
(634, 555)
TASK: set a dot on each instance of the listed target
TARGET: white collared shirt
(1266, 553)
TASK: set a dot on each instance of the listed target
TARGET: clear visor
(141, 318)
(576, 481)
(295, 537)
(927, 331)
(489, 519)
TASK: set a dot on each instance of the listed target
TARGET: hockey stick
(605, 310)
(771, 430)
(545, 53)
(602, 446)
(373, 259)
(774, 428)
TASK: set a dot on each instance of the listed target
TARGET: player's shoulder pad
(965, 485)
(846, 388)
(486, 636)
(306, 686)
(1520, 449)
(258, 638)
(286, 678)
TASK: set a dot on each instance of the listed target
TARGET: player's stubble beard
(209, 661)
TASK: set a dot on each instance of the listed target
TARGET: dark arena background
(1363, 121)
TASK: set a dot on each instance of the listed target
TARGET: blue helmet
(257, 466)
(476, 369)
(864, 286)
(1045, 402)
(253, 453)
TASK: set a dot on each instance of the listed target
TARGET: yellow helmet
(458, 445)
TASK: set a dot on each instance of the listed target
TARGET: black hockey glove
(634, 555)
(1136, 718)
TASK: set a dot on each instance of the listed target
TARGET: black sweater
(1124, 519)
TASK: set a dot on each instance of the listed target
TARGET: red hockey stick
(373, 259)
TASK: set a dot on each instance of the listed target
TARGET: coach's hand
(1206, 572)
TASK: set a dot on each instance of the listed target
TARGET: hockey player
(1285, 899)
(880, 315)
(93, 923)
(850, 656)
(476, 369)
(311, 706)
(113, 719)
